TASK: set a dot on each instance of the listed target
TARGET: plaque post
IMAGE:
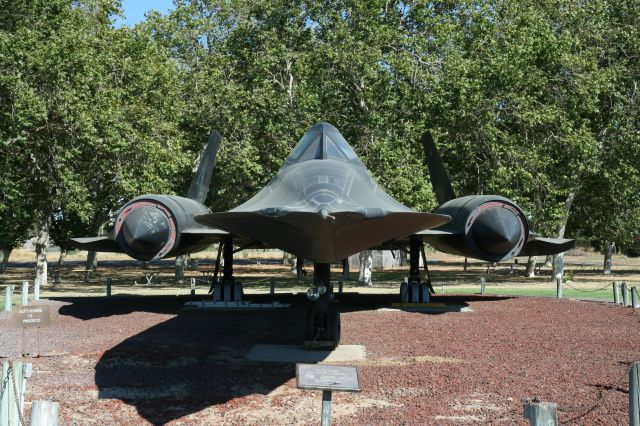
(325, 419)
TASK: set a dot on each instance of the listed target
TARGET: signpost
(327, 378)
(29, 317)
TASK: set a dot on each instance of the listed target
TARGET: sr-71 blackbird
(323, 206)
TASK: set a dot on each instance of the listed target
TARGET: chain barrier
(587, 291)
(599, 401)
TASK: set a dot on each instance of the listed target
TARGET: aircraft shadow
(197, 359)
(193, 360)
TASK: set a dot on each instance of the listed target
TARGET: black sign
(30, 316)
(328, 377)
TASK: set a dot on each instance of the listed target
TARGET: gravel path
(142, 361)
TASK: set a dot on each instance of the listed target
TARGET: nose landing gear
(322, 321)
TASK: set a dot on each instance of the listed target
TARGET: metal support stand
(345, 269)
(426, 269)
(217, 268)
(227, 289)
(326, 408)
(413, 290)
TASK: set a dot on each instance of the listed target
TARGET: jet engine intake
(496, 231)
(149, 227)
(486, 227)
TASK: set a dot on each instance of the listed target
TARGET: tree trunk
(5, 259)
(287, 258)
(92, 261)
(181, 262)
(608, 257)
(558, 259)
(531, 267)
(558, 265)
(42, 244)
(63, 255)
(366, 263)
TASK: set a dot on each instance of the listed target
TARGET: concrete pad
(296, 353)
(415, 307)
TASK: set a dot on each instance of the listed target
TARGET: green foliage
(531, 100)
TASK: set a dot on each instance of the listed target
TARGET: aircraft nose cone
(146, 230)
(496, 231)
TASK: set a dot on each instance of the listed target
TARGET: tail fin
(439, 178)
(202, 179)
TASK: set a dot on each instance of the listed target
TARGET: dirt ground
(134, 359)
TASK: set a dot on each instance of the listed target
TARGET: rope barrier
(587, 291)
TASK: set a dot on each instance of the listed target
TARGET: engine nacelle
(487, 227)
(150, 227)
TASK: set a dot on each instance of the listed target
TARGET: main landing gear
(322, 321)
(227, 289)
(413, 290)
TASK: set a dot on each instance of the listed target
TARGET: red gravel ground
(143, 361)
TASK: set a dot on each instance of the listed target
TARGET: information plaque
(328, 377)
(30, 316)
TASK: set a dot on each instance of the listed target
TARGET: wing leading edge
(322, 237)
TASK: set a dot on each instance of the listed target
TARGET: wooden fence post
(8, 301)
(36, 289)
(625, 294)
(635, 302)
(10, 397)
(634, 394)
(44, 413)
(25, 293)
(541, 413)
(483, 283)
(616, 292)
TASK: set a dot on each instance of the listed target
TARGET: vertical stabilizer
(202, 179)
(439, 178)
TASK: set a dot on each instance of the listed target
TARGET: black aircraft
(322, 205)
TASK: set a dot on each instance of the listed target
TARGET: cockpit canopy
(322, 142)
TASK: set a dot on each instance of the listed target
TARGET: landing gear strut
(413, 290)
(322, 321)
(227, 289)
